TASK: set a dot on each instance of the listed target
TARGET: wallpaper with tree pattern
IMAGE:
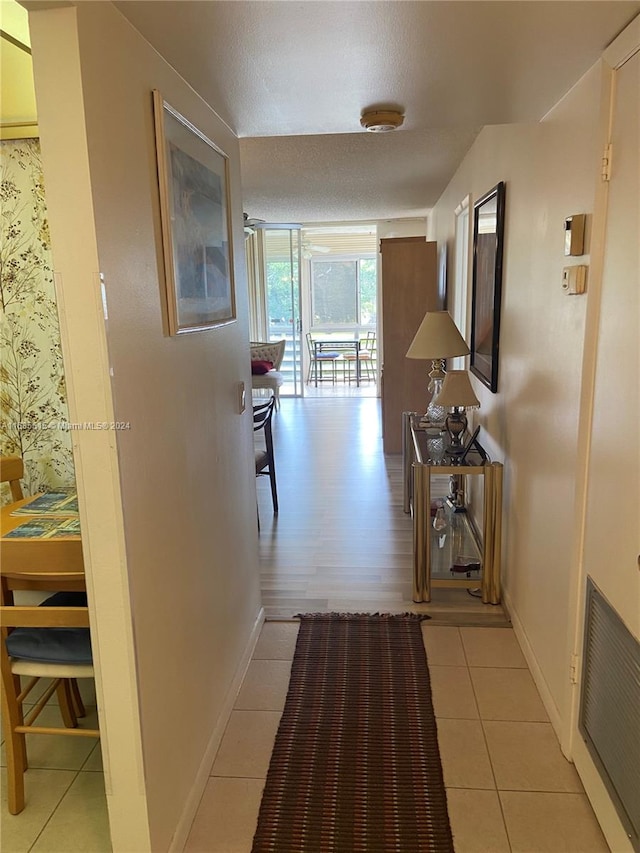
(33, 400)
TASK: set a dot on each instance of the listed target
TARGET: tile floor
(342, 541)
(508, 786)
(66, 809)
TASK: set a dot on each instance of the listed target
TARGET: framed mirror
(488, 238)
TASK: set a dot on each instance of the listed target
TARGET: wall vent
(609, 718)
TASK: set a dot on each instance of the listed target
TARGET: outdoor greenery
(279, 294)
(344, 292)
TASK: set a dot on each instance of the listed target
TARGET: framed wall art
(488, 239)
(193, 176)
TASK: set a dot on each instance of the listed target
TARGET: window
(343, 292)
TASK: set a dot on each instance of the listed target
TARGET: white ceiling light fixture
(381, 121)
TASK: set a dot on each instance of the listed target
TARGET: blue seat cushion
(53, 645)
(321, 355)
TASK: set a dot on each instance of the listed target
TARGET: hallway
(509, 789)
(342, 542)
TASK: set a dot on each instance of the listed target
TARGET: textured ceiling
(374, 176)
(302, 73)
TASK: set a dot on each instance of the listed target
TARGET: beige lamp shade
(457, 391)
(437, 337)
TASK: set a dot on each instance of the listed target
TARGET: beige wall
(532, 422)
(172, 565)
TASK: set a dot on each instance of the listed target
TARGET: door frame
(614, 57)
(462, 293)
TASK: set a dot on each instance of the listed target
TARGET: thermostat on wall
(574, 234)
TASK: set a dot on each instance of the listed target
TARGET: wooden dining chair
(12, 472)
(265, 460)
(50, 641)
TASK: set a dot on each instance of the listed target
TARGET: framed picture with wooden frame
(488, 239)
(193, 179)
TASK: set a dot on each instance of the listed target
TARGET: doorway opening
(317, 288)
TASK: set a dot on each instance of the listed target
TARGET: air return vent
(610, 706)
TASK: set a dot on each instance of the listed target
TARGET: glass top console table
(455, 543)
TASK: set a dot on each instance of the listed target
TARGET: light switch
(574, 279)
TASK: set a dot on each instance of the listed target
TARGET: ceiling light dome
(381, 121)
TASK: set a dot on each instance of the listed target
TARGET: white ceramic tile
(43, 791)
(80, 823)
(452, 692)
(247, 744)
(265, 686)
(443, 645)
(476, 821)
(277, 641)
(551, 823)
(94, 761)
(492, 647)
(527, 757)
(464, 756)
(507, 694)
(227, 816)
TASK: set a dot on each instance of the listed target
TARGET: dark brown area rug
(356, 766)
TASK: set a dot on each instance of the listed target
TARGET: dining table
(34, 544)
(341, 346)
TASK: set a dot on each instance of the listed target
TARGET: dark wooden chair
(265, 462)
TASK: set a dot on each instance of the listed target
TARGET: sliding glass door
(281, 253)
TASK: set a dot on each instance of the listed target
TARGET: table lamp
(457, 393)
(436, 339)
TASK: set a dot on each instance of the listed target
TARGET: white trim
(624, 46)
(192, 802)
(575, 616)
(619, 51)
(464, 205)
(534, 667)
(462, 261)
(600, 799)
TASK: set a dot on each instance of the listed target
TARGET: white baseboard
(545, 694)
(600, 800)
(193, 800)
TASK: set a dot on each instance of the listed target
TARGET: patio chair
(318, 358)
(365, 356)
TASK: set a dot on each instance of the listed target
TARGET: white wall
(401, 228)
(168, 506)
(532, 423)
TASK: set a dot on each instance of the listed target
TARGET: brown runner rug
(356, 767)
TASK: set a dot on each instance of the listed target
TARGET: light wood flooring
(341, 541)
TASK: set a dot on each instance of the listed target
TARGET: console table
(457, 554)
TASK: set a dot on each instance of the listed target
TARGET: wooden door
(409, 290)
